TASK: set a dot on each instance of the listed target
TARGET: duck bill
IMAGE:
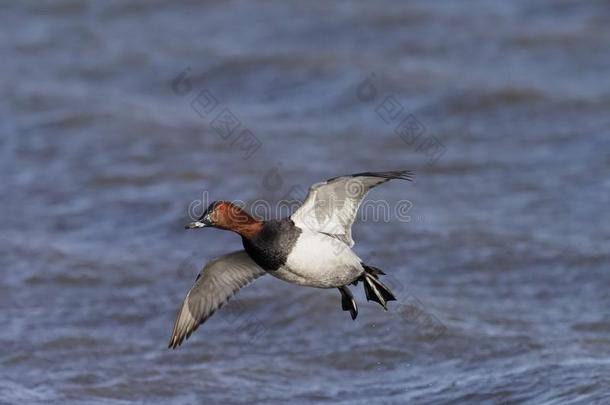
(195, 225)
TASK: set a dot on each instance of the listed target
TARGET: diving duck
(312, 248)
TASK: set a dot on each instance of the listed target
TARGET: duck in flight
(312, 247)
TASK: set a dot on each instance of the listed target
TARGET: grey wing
(331, 206)
(219, 280)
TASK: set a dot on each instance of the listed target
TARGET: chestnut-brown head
(226, 215)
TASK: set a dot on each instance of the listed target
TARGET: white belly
(318, 260)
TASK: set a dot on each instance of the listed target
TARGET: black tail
(374, 289)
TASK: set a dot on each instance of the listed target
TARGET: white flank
(319, 260)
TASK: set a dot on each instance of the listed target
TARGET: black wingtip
(408, 175)
(173, 344)
(176, 341)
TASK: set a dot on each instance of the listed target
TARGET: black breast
(272, 245)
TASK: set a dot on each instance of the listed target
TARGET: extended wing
(331, 206)
(219, 280)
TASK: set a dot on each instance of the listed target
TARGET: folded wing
(331, 206)
(219, 280)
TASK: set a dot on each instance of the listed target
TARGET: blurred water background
(107, 135)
